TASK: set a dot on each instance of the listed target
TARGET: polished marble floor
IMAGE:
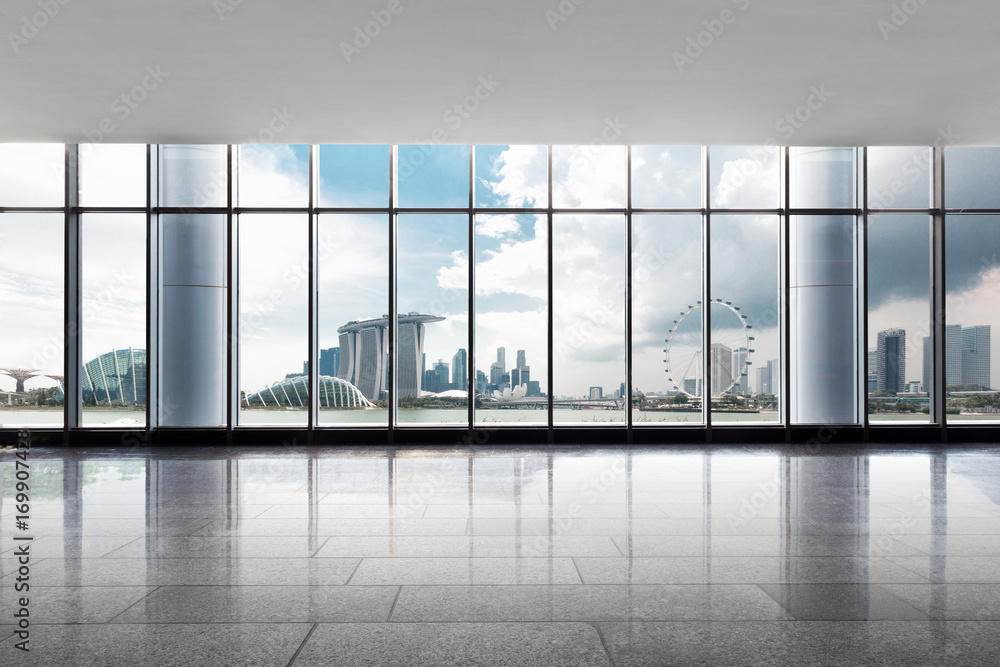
(504, 556)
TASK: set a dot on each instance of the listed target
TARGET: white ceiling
(231, 63)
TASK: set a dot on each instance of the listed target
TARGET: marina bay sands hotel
(364, 349)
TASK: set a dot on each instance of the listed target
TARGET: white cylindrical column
(192, 325)
(823, 291)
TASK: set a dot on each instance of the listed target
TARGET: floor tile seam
(886, 591)
(354, 571)
(320, 547)
(130, 542)
(302, 645)
(392, 609)
(894, 559)
(144, 597)
(604, 643)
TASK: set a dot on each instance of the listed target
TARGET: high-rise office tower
(460, 370)
(953, 355)
(692, 386)
(774, 377)
(496, 373)
(927, 363)
(954, 334)
(440, 371)
(890, 363)
(329, 362)
(763, 381)
(721, 368)
(521, 363)
(742, 381)
(976, 356)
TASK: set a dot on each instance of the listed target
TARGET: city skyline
(509, 262)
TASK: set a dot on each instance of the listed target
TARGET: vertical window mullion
(706, 299)
(938, 314)
(469, 356)
(72, 357)
(391, 393)
(627, 398)
(313, 315)
(549, 249)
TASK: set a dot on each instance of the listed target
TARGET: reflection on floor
(490, 556)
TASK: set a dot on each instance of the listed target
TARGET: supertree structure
(20, 375)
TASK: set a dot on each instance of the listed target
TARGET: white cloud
(455, 276)
(272, 175)
(497, 226)
(522, 176)
(588, 176)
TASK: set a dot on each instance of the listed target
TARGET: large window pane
(591, 176)
(273, 175)
(822, 177)
(666, 318)
(31, 309)
(588, 284)
(113, 318)
(972, 177)
(746, 321)
(972, 271)
(193, 175)
(354, 176)
(432, 176)
(511, 357)
(432, 279)
(32, 175)
(666, 176)
(899, 177)
(899, 371)
(273, 319)
(744, 176)
(353, 319)
(512, 176)
(113, 175)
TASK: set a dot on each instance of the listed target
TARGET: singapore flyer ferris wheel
(731, 348)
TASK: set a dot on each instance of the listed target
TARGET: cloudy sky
(508, 259)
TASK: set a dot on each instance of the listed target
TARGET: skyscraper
(967, 356)
(329, 362)
(976, 356)
(927, 363)
(440, 370)
(763, 381)
(891, 360)
(742, 385)
(721, 368)
(460, 370)
(774, 377)
(521, 363)
(953, 355)
(498, 369)
(363, 348)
